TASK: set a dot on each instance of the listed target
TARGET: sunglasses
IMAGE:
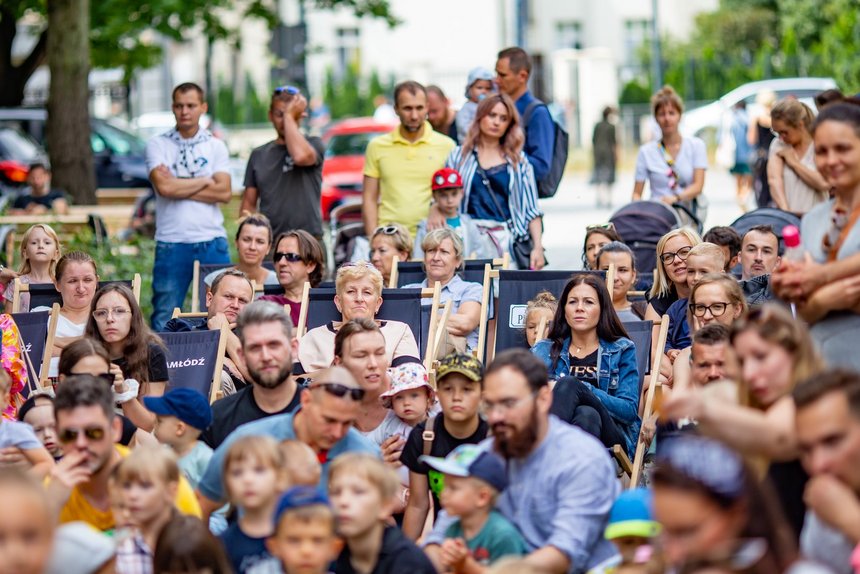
(291, 257)
(292, 90)
(598, 226)
(92, 433)
(387, 230)
(340, 390)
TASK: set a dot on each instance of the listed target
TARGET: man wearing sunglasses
(283, 179)
(88, 430)
(329, 408)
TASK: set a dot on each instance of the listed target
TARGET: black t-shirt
(397, 555)
(585, 369)
(157, 364)
(237, 409)
(443, 443)
(662, 303)
(24, 201)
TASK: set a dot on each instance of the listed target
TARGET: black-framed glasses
(716, 309)
(71, 435)
(339, 390)
(387, 230)
(292, 90)
(668, 257)
(291, 257)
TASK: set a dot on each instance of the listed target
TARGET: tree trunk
(68, 129)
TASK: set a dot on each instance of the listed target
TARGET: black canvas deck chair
(37, 331)
(195, 358)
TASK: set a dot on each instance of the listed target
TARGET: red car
(343, 168)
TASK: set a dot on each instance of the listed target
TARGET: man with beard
(399, 166)
(561, 481)
(267, 350)
(88, 430)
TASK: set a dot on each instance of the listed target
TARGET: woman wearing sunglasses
(137, 355)
(774, 352)
(358, 294)
(253, 243)
(388, 241)
(298, 259)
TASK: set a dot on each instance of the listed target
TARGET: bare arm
(775, 165)
(465, 320)
(140, 415)
(638, 188)
(207, 506)
(370, 205)
(217, 192)
(41, 460)
(418, 506)
(549, 559)
(167, 185)
(536, 258)
(694, 189)
(752, 132)
(60, 206)
(810, 177)
(302, 152)
(249, 201)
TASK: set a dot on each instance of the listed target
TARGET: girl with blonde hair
(40, 251)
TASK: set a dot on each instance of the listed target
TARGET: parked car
(712, 116)
(119, 156)
(343, 168)
(17, 152)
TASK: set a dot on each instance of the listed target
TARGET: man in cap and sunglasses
(88, 429)
(330, 405)
(283, 179)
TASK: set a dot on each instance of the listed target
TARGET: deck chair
(318, 308)
(516, 288)
(408, 272)
(37, 329)
(640, 333)
(195, 359)
(45, 294)
(198, 286)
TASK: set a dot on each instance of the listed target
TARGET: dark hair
(188, 87)
(74, 257)
(309, 250)
(607, 111)
(229, 273)
(84, 391)
(433, 88)
(609, 326)
(518, 59)
(616, 247)
(765, 229)
(525, 363)
(608, 232)
(350, 328)
(186, 545)
(410, 86)
(30, 404)
(136, 346)
(257, 220)
(815, 387)
(711, 334)
(80, 349)
(39, 164)
(724, 236)
(827, 97)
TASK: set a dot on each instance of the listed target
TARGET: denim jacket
(617, 380)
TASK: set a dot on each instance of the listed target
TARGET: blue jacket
(617, 380)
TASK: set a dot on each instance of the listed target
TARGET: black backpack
(549, 184)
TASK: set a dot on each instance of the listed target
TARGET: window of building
(636, 33)
(346, 49)
(569, 35)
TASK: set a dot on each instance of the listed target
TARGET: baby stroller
(347, 230)
(772, 216)
(641, 224)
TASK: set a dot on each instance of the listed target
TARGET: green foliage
(351, 96)
(634, 92)
(252, 109)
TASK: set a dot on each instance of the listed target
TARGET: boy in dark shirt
(459, 381)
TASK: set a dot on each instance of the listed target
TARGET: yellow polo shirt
(404, 170)
(78, 508)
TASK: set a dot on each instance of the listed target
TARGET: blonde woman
(358, 293)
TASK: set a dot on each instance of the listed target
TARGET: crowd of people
(343, 448)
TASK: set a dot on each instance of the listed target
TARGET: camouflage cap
(466, 365)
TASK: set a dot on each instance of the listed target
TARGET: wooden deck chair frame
(49, 346)
(195, 287)
(179, 314)
(21, 287)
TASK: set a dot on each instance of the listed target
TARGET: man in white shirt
(189, 170)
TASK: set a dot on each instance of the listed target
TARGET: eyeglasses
(291, 257)
(387, 230)
(108, 378)
(92, 433)
(340, 390)
(716, 309)
(292, 90)
(598, 226)
(504, 405)
(117, 312)
(669, 256)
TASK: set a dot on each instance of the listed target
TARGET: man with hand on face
(285, 175)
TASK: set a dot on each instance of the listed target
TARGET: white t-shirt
(187, 220)
(651, 165)
(65, 328)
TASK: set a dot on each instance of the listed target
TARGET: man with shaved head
(329, 407)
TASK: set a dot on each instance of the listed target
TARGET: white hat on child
(406, 377)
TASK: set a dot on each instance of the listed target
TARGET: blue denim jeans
(174, 267)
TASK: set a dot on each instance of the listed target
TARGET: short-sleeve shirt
(244, 551)
(193, 464)
(404, 170)
(289, 194)
(651, 165)
(187, 220)
(234, 410)
(157, 364)
(443, 443)
(24, 201)
(18, 434)
(295, 306)
(498, 538)
(458, 292)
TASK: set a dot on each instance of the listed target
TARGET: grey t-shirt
(825, 545)
(289, 194)
(21, 435)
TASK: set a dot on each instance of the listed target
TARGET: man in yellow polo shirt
(399, 165)
(88, 430)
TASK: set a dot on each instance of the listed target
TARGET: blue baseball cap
(299, 497)
(631, 516)
(469, 460)
(187, 405)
